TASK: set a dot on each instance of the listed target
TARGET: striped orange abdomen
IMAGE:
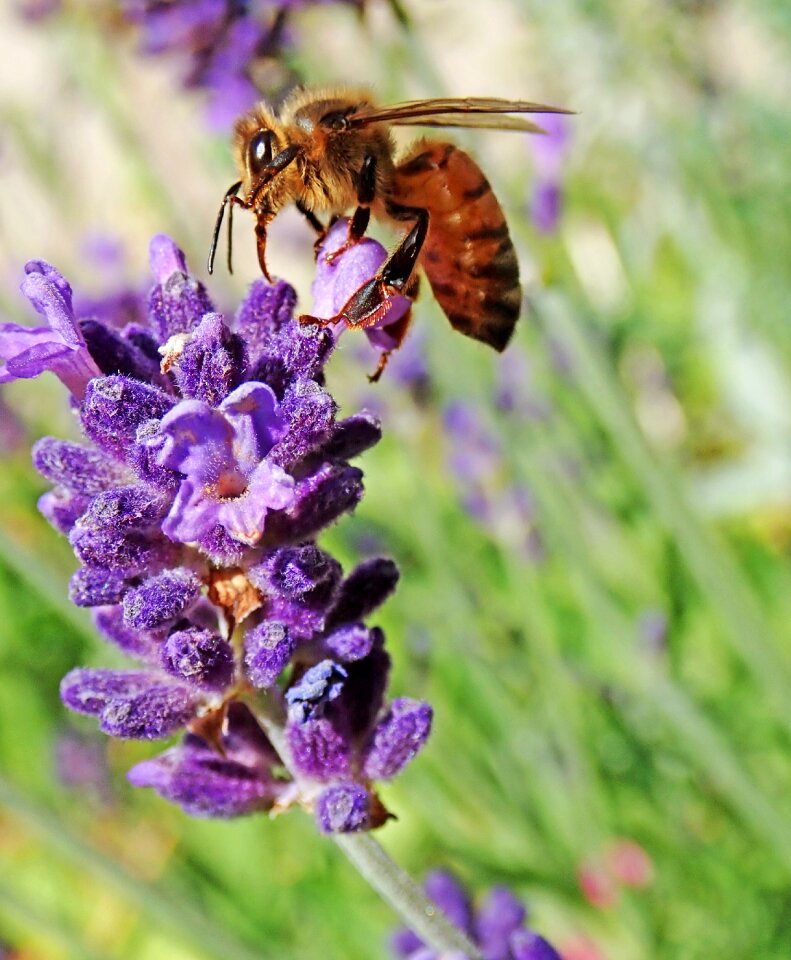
(468, 256)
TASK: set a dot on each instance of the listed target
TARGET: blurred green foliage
(661, 480)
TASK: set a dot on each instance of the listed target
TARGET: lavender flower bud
(353, 436)
(114, 354)
(129, 704)
(211, 362)
(267, 650)
(79, 468)
(526, 945)
(138, 644)
(178, 302)
(115, 406)
(62, 508)
(498, 917)
(312, 410)
(344, 808)
(351, 642)
(161, 599)
(397, 738)
(318, 750)
(451, 897)
(366, 588)
(319, 500)
(96, 587)
(199, 657)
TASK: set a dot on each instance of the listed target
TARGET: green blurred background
(607, 650)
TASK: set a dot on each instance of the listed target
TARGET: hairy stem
(374, 863)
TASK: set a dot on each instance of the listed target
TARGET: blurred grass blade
(707, 557)
(25, 916)
(48, 583)
(190, 924)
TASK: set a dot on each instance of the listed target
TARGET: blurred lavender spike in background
(235, 52)
(497, 926)
(549, 156)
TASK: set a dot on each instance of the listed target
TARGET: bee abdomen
(468, 256)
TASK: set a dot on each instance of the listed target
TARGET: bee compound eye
(335, 121)
(259, 152)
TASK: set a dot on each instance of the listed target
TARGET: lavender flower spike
(214, 459)
(59, 347)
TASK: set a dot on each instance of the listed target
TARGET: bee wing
(482, 121)
(452, 111)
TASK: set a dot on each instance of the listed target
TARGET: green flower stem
(373, 862)
(399, 890)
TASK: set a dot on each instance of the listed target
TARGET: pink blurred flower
(630, 864)
(581, 948)
(597, 884)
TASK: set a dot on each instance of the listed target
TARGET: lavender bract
(215, 457)
(497, 926)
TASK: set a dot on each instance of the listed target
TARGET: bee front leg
(366, 194)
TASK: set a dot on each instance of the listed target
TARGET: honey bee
(328, 150)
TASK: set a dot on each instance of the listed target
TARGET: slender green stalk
(377, 867)
(375, 864)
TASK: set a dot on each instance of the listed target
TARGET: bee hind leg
(370, 303)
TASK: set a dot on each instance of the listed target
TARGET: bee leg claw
(306, 320)
(347, 245)
(380, 367)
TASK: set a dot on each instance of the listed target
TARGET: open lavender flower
(59, 347)
(497, 926)
(214, 459)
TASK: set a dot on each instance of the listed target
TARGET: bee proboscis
(328, 150)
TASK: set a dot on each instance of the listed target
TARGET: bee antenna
(230, 196)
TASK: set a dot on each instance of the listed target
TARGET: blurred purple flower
(497, 926)
(233, 50)
(13, 435)
(215, 457)
(81, 764)
(478, 466)
(34, 11)
(549, 156)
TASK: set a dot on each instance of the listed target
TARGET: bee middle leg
(366, 194)
(318, 226)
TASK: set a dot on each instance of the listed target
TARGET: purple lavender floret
(214, 457)
(497, 927)
(59, 347)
